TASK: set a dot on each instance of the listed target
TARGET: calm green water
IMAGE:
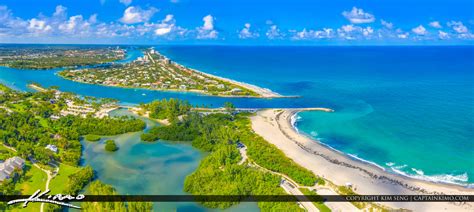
(142, 168)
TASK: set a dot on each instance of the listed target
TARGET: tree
(229, 107)
(110, 146)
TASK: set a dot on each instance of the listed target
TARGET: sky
(238, 22)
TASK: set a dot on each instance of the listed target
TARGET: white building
(52, 147)
(9, 166)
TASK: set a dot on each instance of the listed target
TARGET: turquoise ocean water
(409, 110)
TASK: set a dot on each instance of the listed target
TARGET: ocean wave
(366, 161)
(293, 120)
(460, 179)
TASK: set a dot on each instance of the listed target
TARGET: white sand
(274, 125)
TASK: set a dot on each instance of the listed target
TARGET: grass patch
(91, 137)
(320, 205)
(32, 180)
(59, 182)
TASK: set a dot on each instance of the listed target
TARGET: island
(157, 72)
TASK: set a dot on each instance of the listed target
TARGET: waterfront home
(52, 147)
(9, 166)
(182, 87)
(236, 90)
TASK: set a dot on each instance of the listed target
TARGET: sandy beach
(275, 126)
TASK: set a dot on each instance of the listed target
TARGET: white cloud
(37, 26)
(443, 35)
(367, 31)
(358, 16)
(348, 28)
(93, 18)
(313, 34)
(76, 25)
(273, 33)
(458, 26)
(245, 33)
(207, 31)
(126, 2)
(60, 11)
(403, 35)
(133, 15)
(435, 24)
(386, 24)
(167, 26)
(419, 30)
(208, 22)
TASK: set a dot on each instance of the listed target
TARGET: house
(236, 90)
(182, 87)
(9, 166)
(220, 86)
(52, 148)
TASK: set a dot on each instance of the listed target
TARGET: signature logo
(57, 199)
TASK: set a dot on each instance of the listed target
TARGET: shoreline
(275, 126)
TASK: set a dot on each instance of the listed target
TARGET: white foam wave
(295, 118)
(366, 161)
(460, 179)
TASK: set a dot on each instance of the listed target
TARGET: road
(293, 190)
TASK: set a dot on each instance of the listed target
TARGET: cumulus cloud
(273, 33)
(367, 31)
(358, 16)
(76, 25)
(313, 34)
(443, 35)
(133, 15)
(435, 24)
(419, 30)
(38, 27)
(207, 31)
(60, 11)
(458, 26)
(403, 35)
(126, 2)
(245, 33)
(168, 26)
(386, 24)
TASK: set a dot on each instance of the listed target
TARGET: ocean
(408, 109)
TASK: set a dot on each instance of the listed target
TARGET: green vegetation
(91, 137)
(31, 180)
(320, 205)
(99, 188)
(26, 125)
(78, 180)
(270, 157)
(57, 184)
(154, 71)
(48, 58)
(167, 109)
(110, 146)
(219, 173)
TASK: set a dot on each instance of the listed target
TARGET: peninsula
(157, 72)
(42, 58)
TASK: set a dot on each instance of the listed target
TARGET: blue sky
(238, 22)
